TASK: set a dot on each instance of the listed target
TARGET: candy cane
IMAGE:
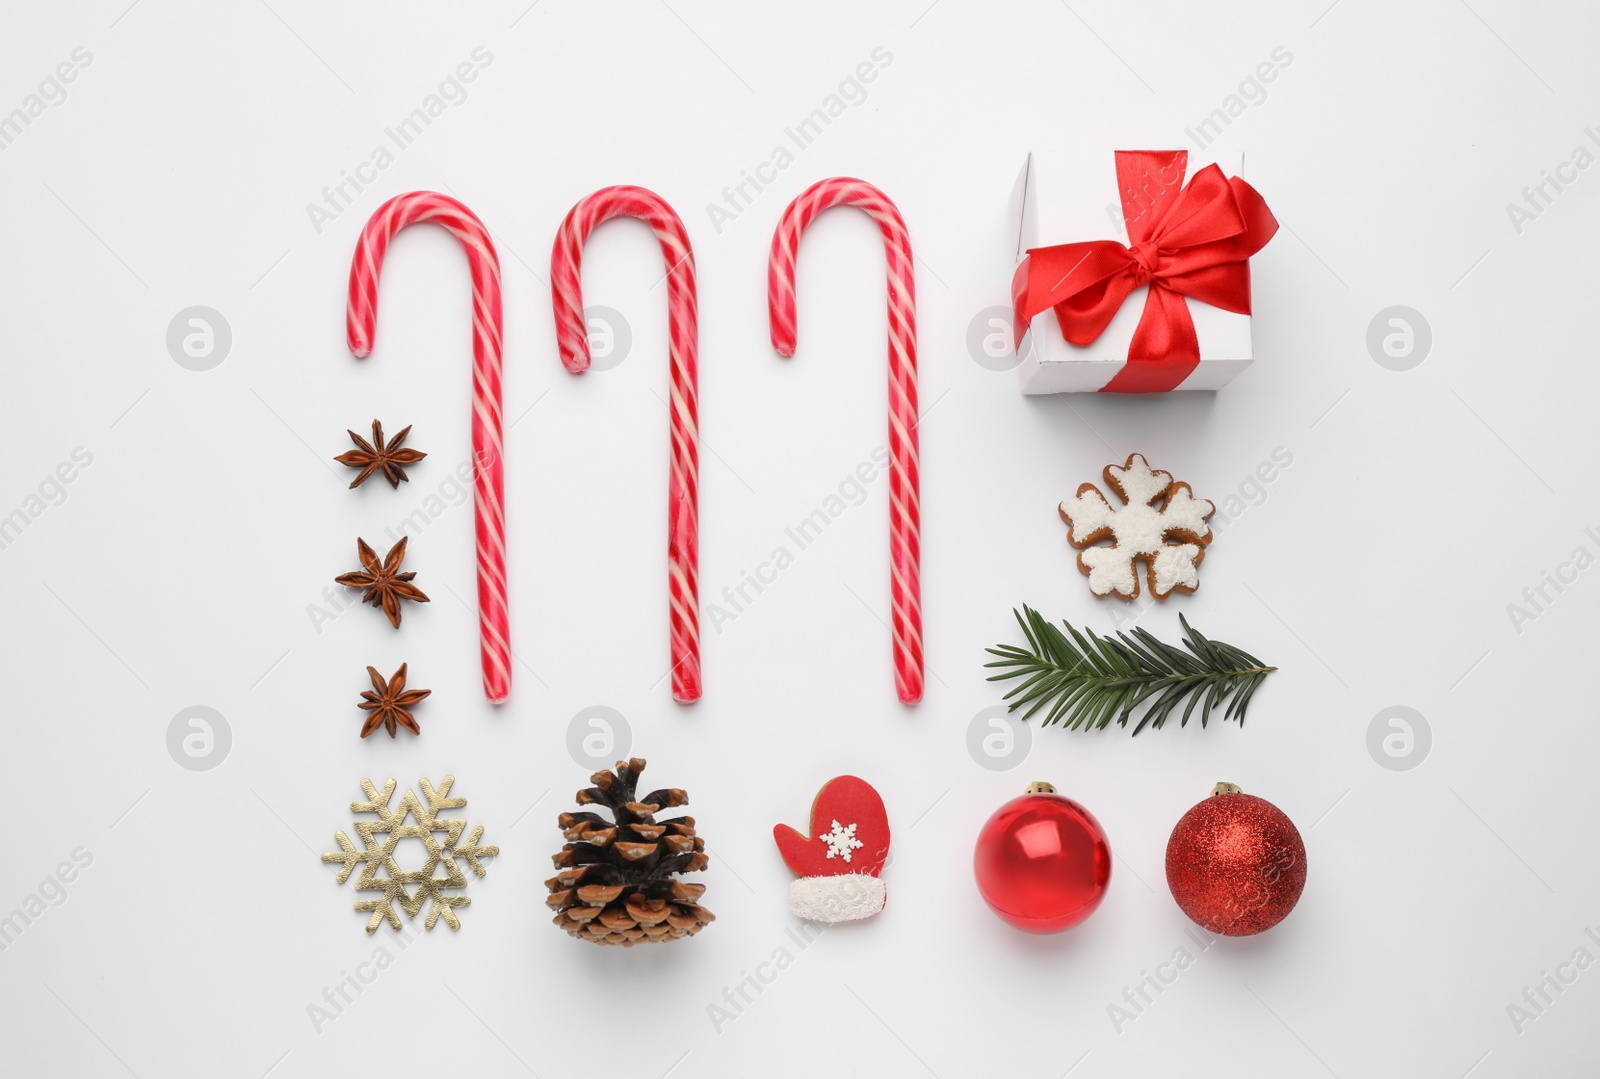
(905, 542)
(419, 207)
(683, 495)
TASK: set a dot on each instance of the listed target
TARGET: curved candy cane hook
(905, 541)
(428, 207)
(683, 496)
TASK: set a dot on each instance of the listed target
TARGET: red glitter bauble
(1235, 863)
(1042, 861)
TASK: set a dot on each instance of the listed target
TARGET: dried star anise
(377, 456)
(391, 703)
(385, 586)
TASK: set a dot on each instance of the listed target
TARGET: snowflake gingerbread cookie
(1170, 540)
(837, 866)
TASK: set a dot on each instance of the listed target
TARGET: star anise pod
(389, 703)
(377, 456)
(385, 586)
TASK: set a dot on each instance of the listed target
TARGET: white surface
(1073, 194)
(179, 568)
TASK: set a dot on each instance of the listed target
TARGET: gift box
(1133, 271)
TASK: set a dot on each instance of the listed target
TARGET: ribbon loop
(1191, 239)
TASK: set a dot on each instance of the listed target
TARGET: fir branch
(1087, 680)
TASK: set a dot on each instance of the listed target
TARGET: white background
(182, 565)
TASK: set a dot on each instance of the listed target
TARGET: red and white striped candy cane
(572, 333)
(905, 541)
(361, 317)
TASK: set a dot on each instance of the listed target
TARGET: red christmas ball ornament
(1042, 861)
(1235, 864)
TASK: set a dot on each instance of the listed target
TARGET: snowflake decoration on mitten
(1171, 540)
(841, 841)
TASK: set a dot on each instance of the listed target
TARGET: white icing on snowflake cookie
(1171, 540)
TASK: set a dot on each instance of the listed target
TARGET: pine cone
(618, 878)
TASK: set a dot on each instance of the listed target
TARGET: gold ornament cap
(1039, 786)
(1226, 788)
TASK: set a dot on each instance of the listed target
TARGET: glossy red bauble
(1042, 862)
(1235, 864)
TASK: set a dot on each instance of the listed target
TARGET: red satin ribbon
(1192, 240)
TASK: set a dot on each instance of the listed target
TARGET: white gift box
(1067, 198)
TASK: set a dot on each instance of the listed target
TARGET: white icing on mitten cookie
(1171, 540)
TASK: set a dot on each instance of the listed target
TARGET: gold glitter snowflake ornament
(381, 871)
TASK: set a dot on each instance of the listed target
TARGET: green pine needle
(1087, 680)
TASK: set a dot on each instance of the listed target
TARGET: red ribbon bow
(1192, 240)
